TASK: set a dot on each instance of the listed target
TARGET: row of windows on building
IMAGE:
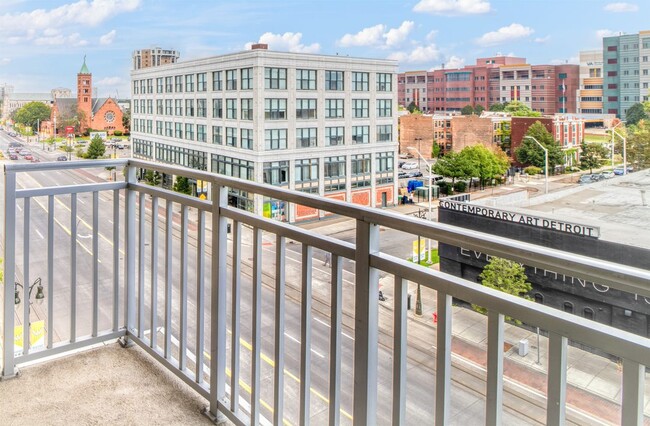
(306, 171)
(274, 108)
(274, 79)
(627, 73)
(305, 137)
(645, 41)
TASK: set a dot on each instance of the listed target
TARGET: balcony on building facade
(188, 280)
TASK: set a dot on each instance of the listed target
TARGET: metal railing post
(129, 240)
(218, 336)
(366, 312)
(9, 255)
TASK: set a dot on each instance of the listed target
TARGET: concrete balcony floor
(104, 385)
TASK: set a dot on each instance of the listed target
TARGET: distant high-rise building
(590, 93)
(626, 71)
(146, 58)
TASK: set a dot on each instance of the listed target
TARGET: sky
(43, 42)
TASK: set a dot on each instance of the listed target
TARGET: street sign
(421, 251)
(69, 131)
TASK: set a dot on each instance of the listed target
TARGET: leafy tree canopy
(506, 276)
(413, 108)
(519, 109)
(152, 177)
(31, 113)
(636, 113)
(467, 110)
(592, 155)
(638, 146)
(182, 185)
(530, 153)
(498, 107)
(96, 148)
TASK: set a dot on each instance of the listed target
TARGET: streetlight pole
(545, 161)
(418, 140)
(612, 130)
(624, 150)
(429, 217)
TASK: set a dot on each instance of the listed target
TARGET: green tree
(506, 276)
(484, 163)
(96, 148)
(31, 114)
(467, 110)
(126, 120)
(152, 177)
(636, 113)
(519, 109)
(413, 108)
(478, 109)
(498, 107)
(638, 146)
(592, 155)
(530, 153)
(450, 166)
(182, 185)
(435, 150)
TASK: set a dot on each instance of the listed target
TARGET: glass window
(143, 87)
(360, 81)
(334, 80)
(169, 85)
(384, 162)
(384, 133)
(275, 78)
(178, 130)
(305, 108)
(231, 136)
(334, 173)
(159, 127)
(217, 108)
(231, 79)
(149, 106)
(384, 107)
(231, 109)
(275, 109)
(159, 106)
(360, 108)
(360, 134)
(246, 109)
(233, 167)
(189, 107)
(306, 137)
(201, 133)
(135, 87)
(189, 83)
(384, 82)
(334, 135)
(306, 170)
(217, 80)
(217, 135)
(276, 172)
(247, 138)
(150, 85)
(201, 82)
(246, 78)
(178, 83)
(275, 139)
(159, 85)
(201, 108)
(178, 107)
(333, 108)
(169, 131)
(360, 171)
(305, 79)
(189, 131)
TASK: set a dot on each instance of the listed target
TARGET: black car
(61, 158)
(402, 175)
(415, 174)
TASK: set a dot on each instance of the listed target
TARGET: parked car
(13, 157)
(402, 175)
(13, 134)
(415, 173)
(35, 160)
(29, 157)
(23, 152)
(584, 179)
(608, 174)
(61, 158)
(409, 166)
(618, 171)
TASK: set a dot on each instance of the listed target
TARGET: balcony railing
(165, 271)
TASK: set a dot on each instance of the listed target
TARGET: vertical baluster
(494, 391)
(116, 259)
(168, 277)
(26, 277)
(154, 273)
(280, 277)
(129, 255)
(556, 388)
(256, 369)
(9, 265)
(633, 390)
(200, 296)
(305, 333)
(50, 271)
(235, 316)
(399, 351)
(141, 265)
(182, 346)
(336, 320)
(443, 359)
(73, 267)
(366, 331)
(95, 263)
(218, 336)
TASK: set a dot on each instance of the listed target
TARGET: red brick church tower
(85, 96)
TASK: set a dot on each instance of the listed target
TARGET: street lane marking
(298, 342)
(39, 234)
(329, 326)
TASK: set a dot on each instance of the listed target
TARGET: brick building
(471, 130)
(567, 130)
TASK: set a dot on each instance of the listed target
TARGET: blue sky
(43, 42)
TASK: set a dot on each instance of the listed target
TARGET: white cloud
(504, 34)
(542, 39)
(290, 42)
(432, 35)
(60, 39)
(454, 62)
(606, 33)
(621, 7)
(419, 54)
(107, 38)
(453, 7)
(378, 36)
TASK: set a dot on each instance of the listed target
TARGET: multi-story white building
(320, 124)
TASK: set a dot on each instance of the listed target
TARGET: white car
(409, 166)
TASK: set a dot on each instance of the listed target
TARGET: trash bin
(523, 347)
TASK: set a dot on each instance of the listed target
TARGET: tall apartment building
(545, 88)
(590, 93)
(626, 67)
(146, 58)
(320, 124)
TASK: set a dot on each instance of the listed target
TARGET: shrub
(117, 133)
(460, 186)
(444, 187)
(532, 170)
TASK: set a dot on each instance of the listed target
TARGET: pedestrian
(328, 258)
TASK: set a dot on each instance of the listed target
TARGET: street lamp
(418, 140)
(545, 161)
(624, 147)
(40, 295)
